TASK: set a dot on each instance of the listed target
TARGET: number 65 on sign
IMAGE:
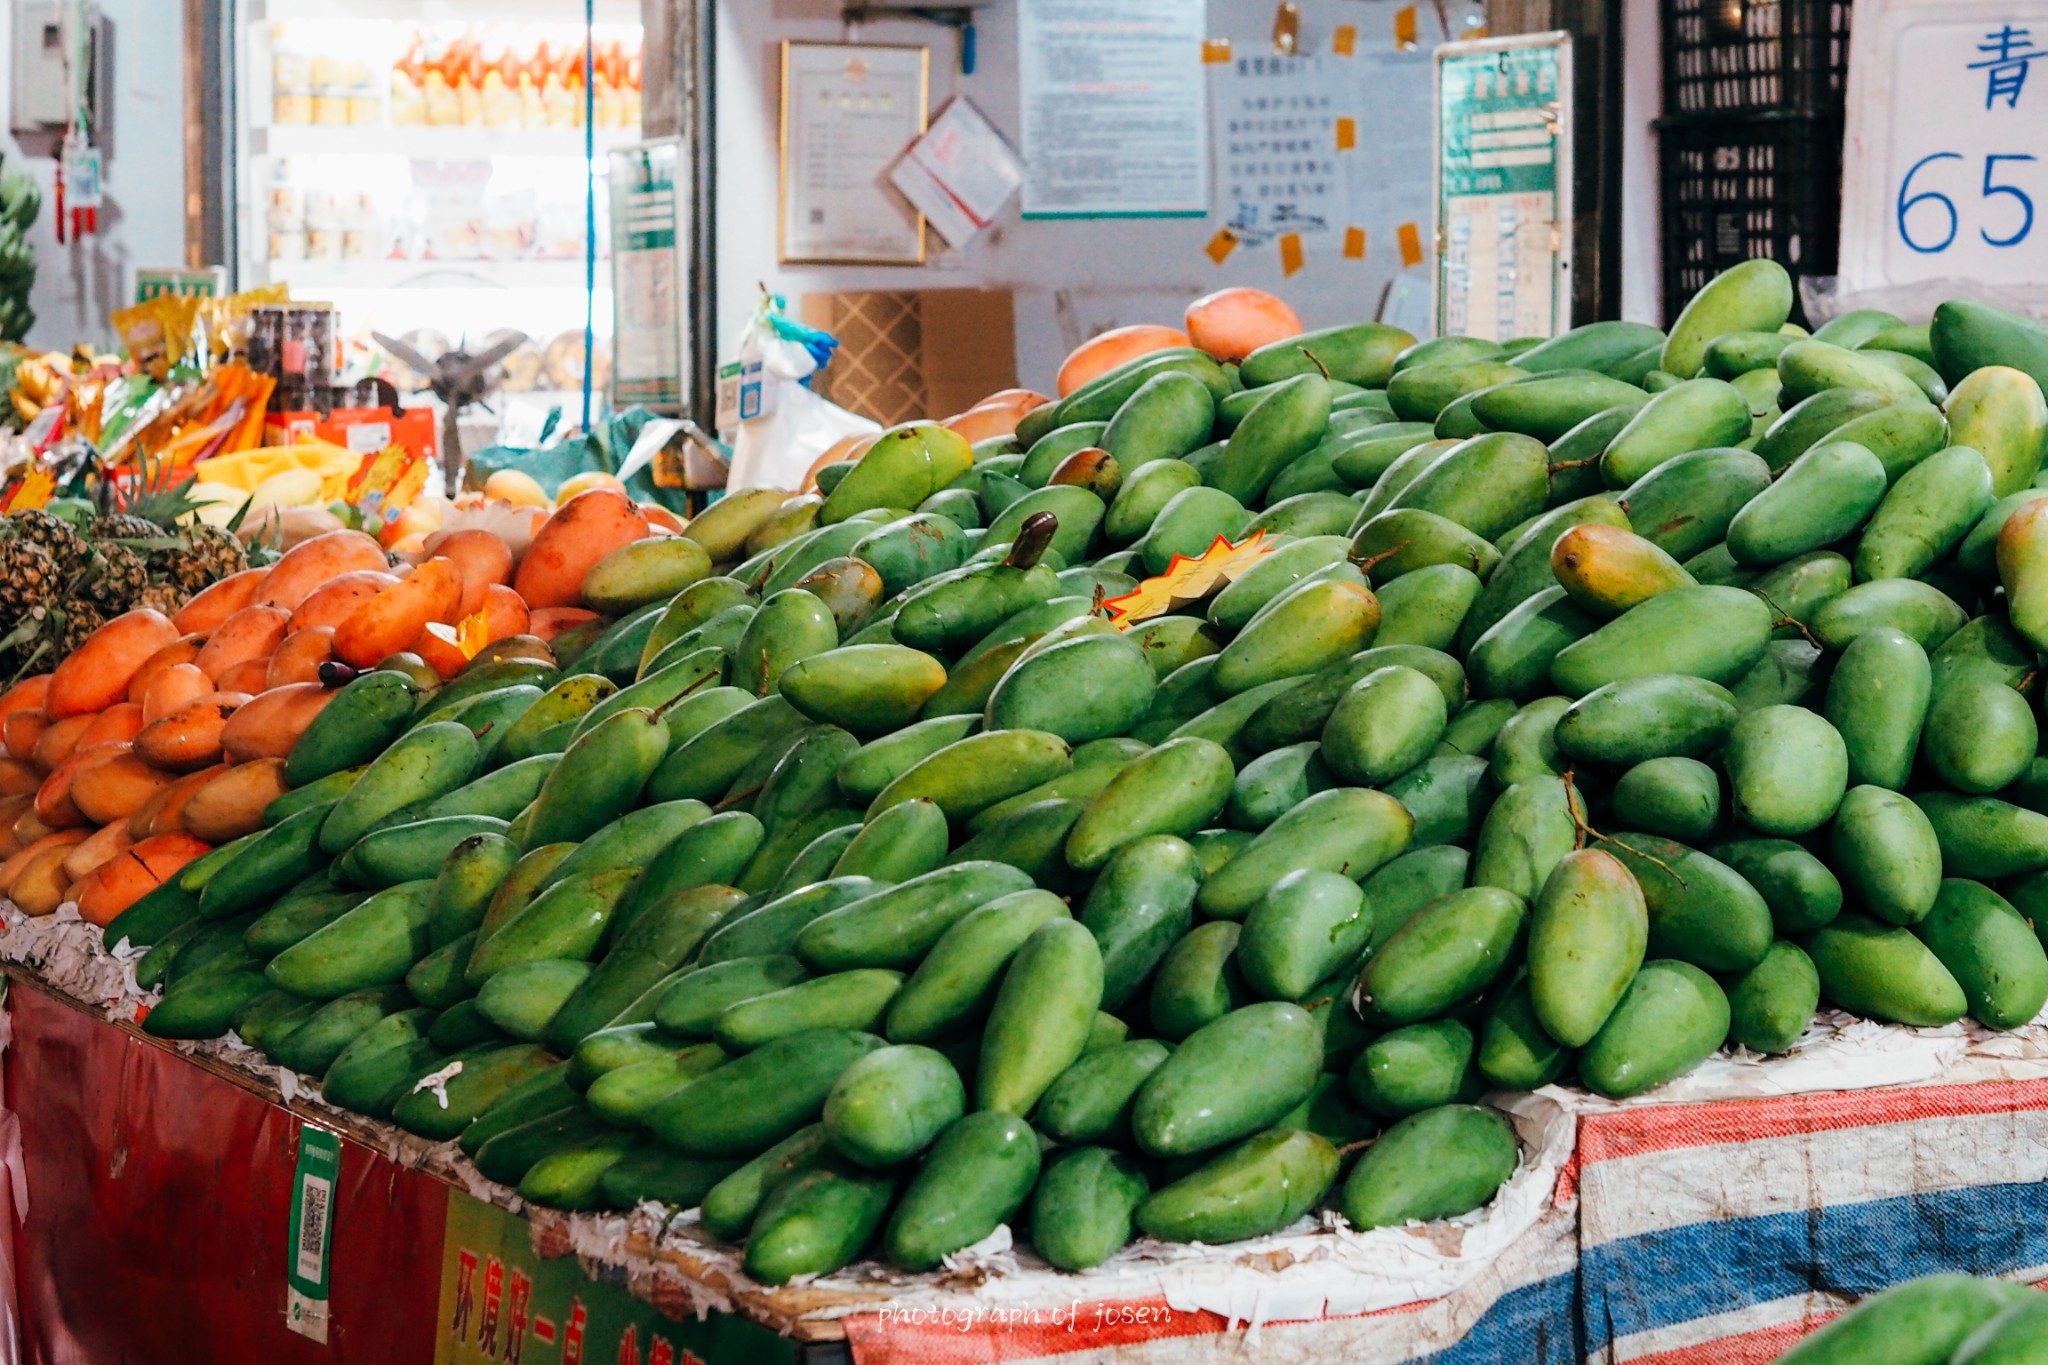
(1945, 170)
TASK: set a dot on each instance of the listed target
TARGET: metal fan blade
(404, 352)
(489, 358)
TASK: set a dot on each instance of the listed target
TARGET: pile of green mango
(1934, 1320)
(865, 877)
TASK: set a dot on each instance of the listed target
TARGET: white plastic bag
(777, 448)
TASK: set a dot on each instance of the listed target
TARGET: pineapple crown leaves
(167, 502)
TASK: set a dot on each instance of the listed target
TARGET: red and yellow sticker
(1187, 581)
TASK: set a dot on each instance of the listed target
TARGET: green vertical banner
(502, 1304)
(312, 1232)
(1504, 186)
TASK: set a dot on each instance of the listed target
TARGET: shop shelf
(1748, 186)
(1729, 56)
(428, 143)
(389, 274)
(443, 11)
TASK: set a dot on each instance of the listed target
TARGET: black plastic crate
(1732, 56)
(1739, 188)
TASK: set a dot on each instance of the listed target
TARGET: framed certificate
(849, 111)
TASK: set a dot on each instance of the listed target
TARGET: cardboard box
(362, 430)
(911, 353)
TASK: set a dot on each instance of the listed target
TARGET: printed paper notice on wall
(960, 174)
(1277, 138)
(1113, 108)
(1945, 168)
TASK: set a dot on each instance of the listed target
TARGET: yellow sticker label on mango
(1187, 581)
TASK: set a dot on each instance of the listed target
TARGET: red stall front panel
(159, 1210)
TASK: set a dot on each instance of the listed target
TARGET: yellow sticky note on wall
(1354, 244)
(1405, 26)
(1215, 51)
(1221, 245)
(1344, 40)
(1290, 252)
(1411, 244)
(1347, 134)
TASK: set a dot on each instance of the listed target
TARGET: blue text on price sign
(1946, 162)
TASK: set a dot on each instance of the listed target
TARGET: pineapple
(127, 526)
(118, 578)
(202, 555)
(28, 578)
(163, 597)
(210, 554)
(54, 535)
(74, 622)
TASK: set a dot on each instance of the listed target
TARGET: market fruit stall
(1203, 814)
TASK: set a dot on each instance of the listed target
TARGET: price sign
(1945, 168)
(1504, 186)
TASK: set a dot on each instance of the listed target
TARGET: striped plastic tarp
(1719, 1233)
(1523, 1308)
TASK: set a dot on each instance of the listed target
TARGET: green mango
(1884, 972)
(1824, 495)
(1544, 406)
(1439, 1163)
(1919, 611)
(1698, 414)
(1800, 890)
(1167, 416)
(1651, 716)
(1716, 633)
(1926, 1319)
(1755, 296)
(1999, 411)
(976, 1176)
(1701, 910)
(1990, 950)
(1670, 1019)
(1413, 1068)
(1770, 1005)
(1081, 1212)
(1925, 516)
(1260, 1186)
(1807, 367)
(1445, 956)
(1817, 418)
(1189, 523)
(1686, 504)
(1678, 798)
(1345, 829)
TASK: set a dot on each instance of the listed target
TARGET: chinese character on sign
(572, 1335)
(2008, 53)
(465, 1296)
(664, 1354)
(629, 1346)
(515, 1335)
(494, 1295)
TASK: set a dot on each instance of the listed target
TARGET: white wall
(1071, 279)
(1642, 100)
(142, 222)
